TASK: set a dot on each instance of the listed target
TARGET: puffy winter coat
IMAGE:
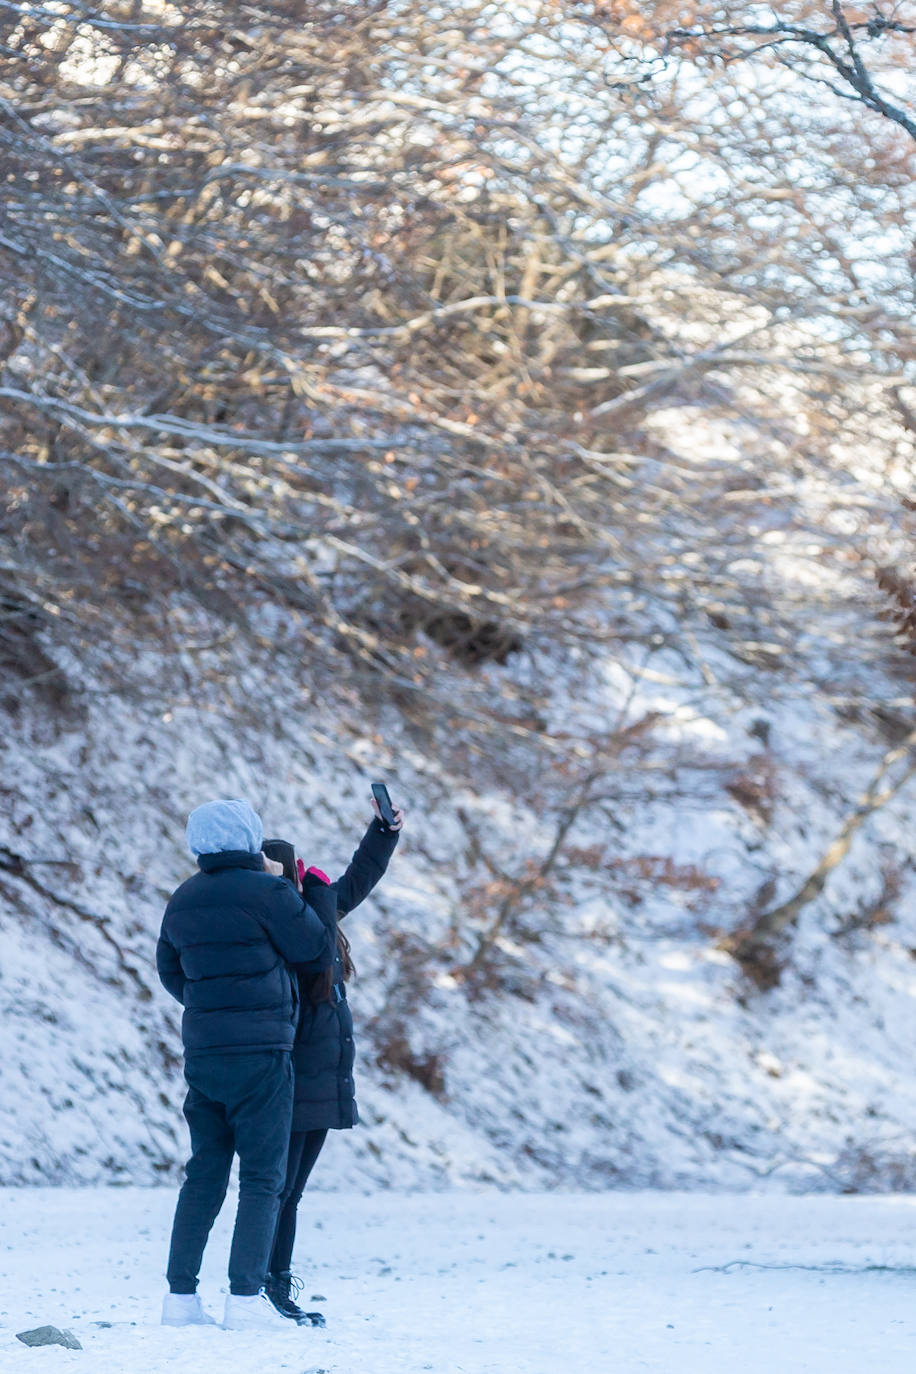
(323, 1054)
(229, 936)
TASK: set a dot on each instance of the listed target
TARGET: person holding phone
(323, 1052)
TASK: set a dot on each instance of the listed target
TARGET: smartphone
(380, 793)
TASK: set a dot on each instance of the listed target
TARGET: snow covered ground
(485, 1283)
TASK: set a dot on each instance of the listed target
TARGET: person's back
(232, 939)
(224, 929)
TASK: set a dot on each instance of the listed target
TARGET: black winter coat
(323, 1054)
(228, 937)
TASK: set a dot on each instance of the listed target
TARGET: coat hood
(221, 825)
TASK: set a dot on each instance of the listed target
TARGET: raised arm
(367, 866)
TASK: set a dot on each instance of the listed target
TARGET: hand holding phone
(385, 808)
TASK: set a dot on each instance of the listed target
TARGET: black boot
(283, 1289)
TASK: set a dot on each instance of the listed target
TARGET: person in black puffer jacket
(323, 1053)
(235, 938)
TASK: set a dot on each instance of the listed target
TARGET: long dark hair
(321, 988)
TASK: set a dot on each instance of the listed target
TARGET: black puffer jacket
(323, 1054)
(228, 937)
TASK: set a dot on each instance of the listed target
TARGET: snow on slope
(484, 1284)
(617, 1047)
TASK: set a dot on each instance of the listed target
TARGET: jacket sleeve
(169, 967)
(296, 929)
(367, 866)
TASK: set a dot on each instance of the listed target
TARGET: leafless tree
(430, 343)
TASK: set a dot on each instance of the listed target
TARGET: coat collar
(230, 858)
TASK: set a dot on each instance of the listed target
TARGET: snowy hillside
(515, 403)
(604, 1037)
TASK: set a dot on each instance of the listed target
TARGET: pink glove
(315, 873)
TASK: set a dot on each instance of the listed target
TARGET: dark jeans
(236, 1104)
(304, 1149)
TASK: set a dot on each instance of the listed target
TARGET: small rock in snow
(49, 1335)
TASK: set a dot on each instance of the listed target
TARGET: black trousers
(304, 1149)
(236, 1104)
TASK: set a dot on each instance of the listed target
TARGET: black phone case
(384, 802)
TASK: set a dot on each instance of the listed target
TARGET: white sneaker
(185, 1309)
(254, 1313)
